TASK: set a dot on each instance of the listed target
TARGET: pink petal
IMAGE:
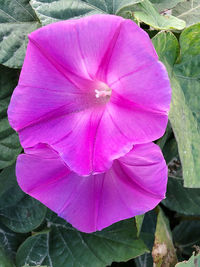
(138, 124)
(133, 50)
(135, 184)
(77, 148)
(110, 143)
(44, 89)
(31, 105)
(72, 135)
(80, 44)
(43, 71)
(151, 92)
(42, 174)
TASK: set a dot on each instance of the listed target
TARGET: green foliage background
(32, 235)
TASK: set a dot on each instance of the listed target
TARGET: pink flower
(91, 88)
(133, 185)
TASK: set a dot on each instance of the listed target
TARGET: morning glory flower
(91, 88)
(133, 185)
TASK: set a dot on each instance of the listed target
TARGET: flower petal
(72, 135)
(80, 44)
(77, 148)
(133, 50)
(138, 124)
(135, 184)
(43, 88)
(31, 105)
(110, 143)
(148, 87)
(43, 175)
(41, 70)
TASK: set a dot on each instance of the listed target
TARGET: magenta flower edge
(134, 184)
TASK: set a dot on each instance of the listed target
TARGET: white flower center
(102, 91)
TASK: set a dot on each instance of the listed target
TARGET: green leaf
(17, 19)
(187, 135)
(162, 5)
(163, 252)
(34, 266)
(145, 12)
(9, 141)
(167, 48)
(10, 194)
(65, 246)
(21, 11)
(144, 260)
(185, 110)
(182, 200)
(186, 105)
(18, 211)
(50, 11)
(25, 216)
(4, 260)
(189, 11)
(139, 221)
(186, 236)
(8, 81)
(112, 6)
(10, 241)
(194, 261)
(147, 234)
(170, 151)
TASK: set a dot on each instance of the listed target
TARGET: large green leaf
(17, 19)
(185, 110)
(188, 10)
(186, 236)
(182, 200)
(10, 240)
(167, 48)
(9, 141)
(18, 211)
(15, 11)
(185, 115)
(63, 245)
(194, 261)
(162, 5)
(25, 216)
(10, 194)
(50, 11)
(145, 12)
(112, 6)
(4, 260)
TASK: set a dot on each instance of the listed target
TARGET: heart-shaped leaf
(185, 110)
(17, 19)
(63, 245)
